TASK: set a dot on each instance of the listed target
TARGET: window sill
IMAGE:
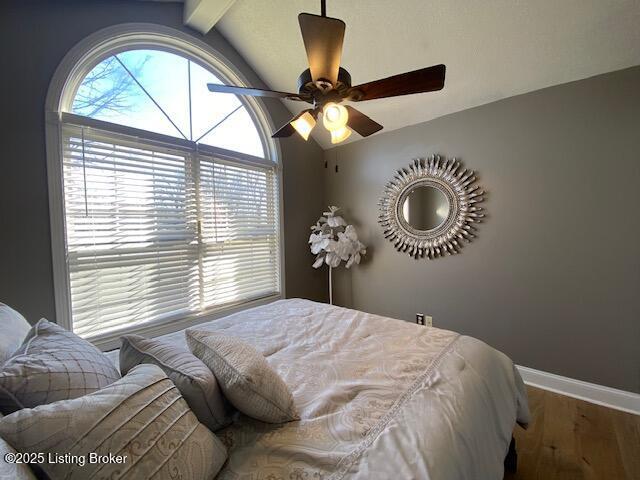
(111, 340)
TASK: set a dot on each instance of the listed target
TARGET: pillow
(52, 364)
(245, 377)
(11, 469)
(140, 421)
(14, 328)
(193, 378)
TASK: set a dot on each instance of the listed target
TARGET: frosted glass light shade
(340, 135)
(304, 124)
(334, 116)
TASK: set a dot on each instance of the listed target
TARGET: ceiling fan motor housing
(322, 90)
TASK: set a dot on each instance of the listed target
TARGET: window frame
(67, 78)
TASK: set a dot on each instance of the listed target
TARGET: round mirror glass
(425, 208)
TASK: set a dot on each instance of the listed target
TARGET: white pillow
(13, 328)
(244, 375)
(141, 418)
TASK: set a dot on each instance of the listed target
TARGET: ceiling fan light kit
(334, 116)
(304, 124)
(340, 135)
(325, 84)
(334, 119)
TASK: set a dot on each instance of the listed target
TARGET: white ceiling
(493, 49)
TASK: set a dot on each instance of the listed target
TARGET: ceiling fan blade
(427, 79)
(323, 38)
(284, 131)
(254, 92)
(362, 124)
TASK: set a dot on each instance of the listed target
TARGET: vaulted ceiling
(493, 49)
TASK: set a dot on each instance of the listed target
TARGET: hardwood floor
(571, 439)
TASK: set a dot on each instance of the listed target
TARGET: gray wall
(34, 37)
(553, 279)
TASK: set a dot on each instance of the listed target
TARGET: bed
(378, 398)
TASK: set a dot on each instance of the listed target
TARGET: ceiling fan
(325, 84)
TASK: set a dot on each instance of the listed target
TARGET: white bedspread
(379, 398)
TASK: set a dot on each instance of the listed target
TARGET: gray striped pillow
(141, 418)
(193, 378)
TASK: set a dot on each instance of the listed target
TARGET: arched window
(166, 93)
(164, 196)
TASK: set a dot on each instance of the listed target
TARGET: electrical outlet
(420, 318)
(428, 321)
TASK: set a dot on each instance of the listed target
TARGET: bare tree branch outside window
(109, 89)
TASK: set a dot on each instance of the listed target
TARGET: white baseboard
(590, 392)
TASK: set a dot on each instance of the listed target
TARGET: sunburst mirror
(429, 208)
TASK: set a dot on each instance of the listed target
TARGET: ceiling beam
(202, 15)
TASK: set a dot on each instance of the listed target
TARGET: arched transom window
(166, 93)
(168, 193)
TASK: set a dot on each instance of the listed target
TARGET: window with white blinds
(156, 232)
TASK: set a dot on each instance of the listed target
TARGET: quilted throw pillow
(245, 377)
(52, 364)
(193, 378)
(14, 328)
(139, 427)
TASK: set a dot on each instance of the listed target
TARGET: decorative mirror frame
(456, 183)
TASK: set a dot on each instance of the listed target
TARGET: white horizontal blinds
(155, 232)
(131, 228)
(239, 232)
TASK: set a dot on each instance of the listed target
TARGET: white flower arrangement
(333, 241)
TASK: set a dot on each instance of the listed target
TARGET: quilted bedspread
(378, 398)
